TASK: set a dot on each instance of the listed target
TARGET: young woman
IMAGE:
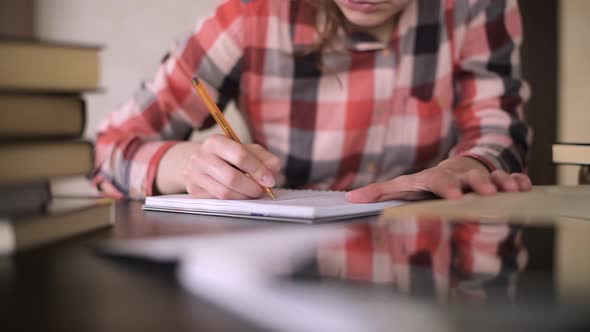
(388, 99)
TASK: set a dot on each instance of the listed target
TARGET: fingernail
(268, 181)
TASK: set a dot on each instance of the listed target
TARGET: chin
(370, 13)
(364, 20)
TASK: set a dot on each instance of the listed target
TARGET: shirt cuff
(152, 152)
(490, 162)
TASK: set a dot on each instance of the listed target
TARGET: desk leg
(584, 175)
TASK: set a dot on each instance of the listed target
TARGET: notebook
(305, 206)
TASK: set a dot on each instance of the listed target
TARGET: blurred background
(135, 34)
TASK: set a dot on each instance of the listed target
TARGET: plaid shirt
(448, 84)
(465, 262)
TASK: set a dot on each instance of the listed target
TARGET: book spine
(21, 167)
(47, 130)
(24, 199)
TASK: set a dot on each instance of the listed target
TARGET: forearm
(489, 112)
(169, 176)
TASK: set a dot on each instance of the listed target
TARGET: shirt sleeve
(491, 91)
(132, 140)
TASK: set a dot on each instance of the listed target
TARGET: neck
(382, 32)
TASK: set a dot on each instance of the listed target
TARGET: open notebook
(306, 206)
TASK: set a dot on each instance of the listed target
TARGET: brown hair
(334, 20)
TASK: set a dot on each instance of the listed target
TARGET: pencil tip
(196, 80)
(271, 194)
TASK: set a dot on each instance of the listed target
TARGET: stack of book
(571, 153)
(42, 120)
(574, 154)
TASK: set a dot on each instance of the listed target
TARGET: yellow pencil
(220, 118)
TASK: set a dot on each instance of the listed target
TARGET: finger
(195, 191)
(231, 178)
(523, 181)
(480, 182)
(402, 188)
(368, 194)
(236, 154)
(445, 185)
(219, 190)
(272, 162)
(504, 182)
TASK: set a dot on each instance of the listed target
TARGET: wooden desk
(68, 286)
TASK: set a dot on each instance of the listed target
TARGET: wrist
(169, 178)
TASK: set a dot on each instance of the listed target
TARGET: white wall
(574, 94)
(135, 35)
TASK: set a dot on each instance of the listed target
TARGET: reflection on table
(449, 261)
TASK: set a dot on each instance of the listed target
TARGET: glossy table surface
(510, 274)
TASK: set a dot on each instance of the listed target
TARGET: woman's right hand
(217, 168)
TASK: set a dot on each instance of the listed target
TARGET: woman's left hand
(450, 180)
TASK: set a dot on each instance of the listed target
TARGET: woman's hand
(449, 180)
(217, 168)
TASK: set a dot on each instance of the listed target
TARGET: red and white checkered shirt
(448, 84)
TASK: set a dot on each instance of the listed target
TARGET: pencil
(220, 119)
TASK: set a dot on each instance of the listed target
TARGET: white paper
(290, 204)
